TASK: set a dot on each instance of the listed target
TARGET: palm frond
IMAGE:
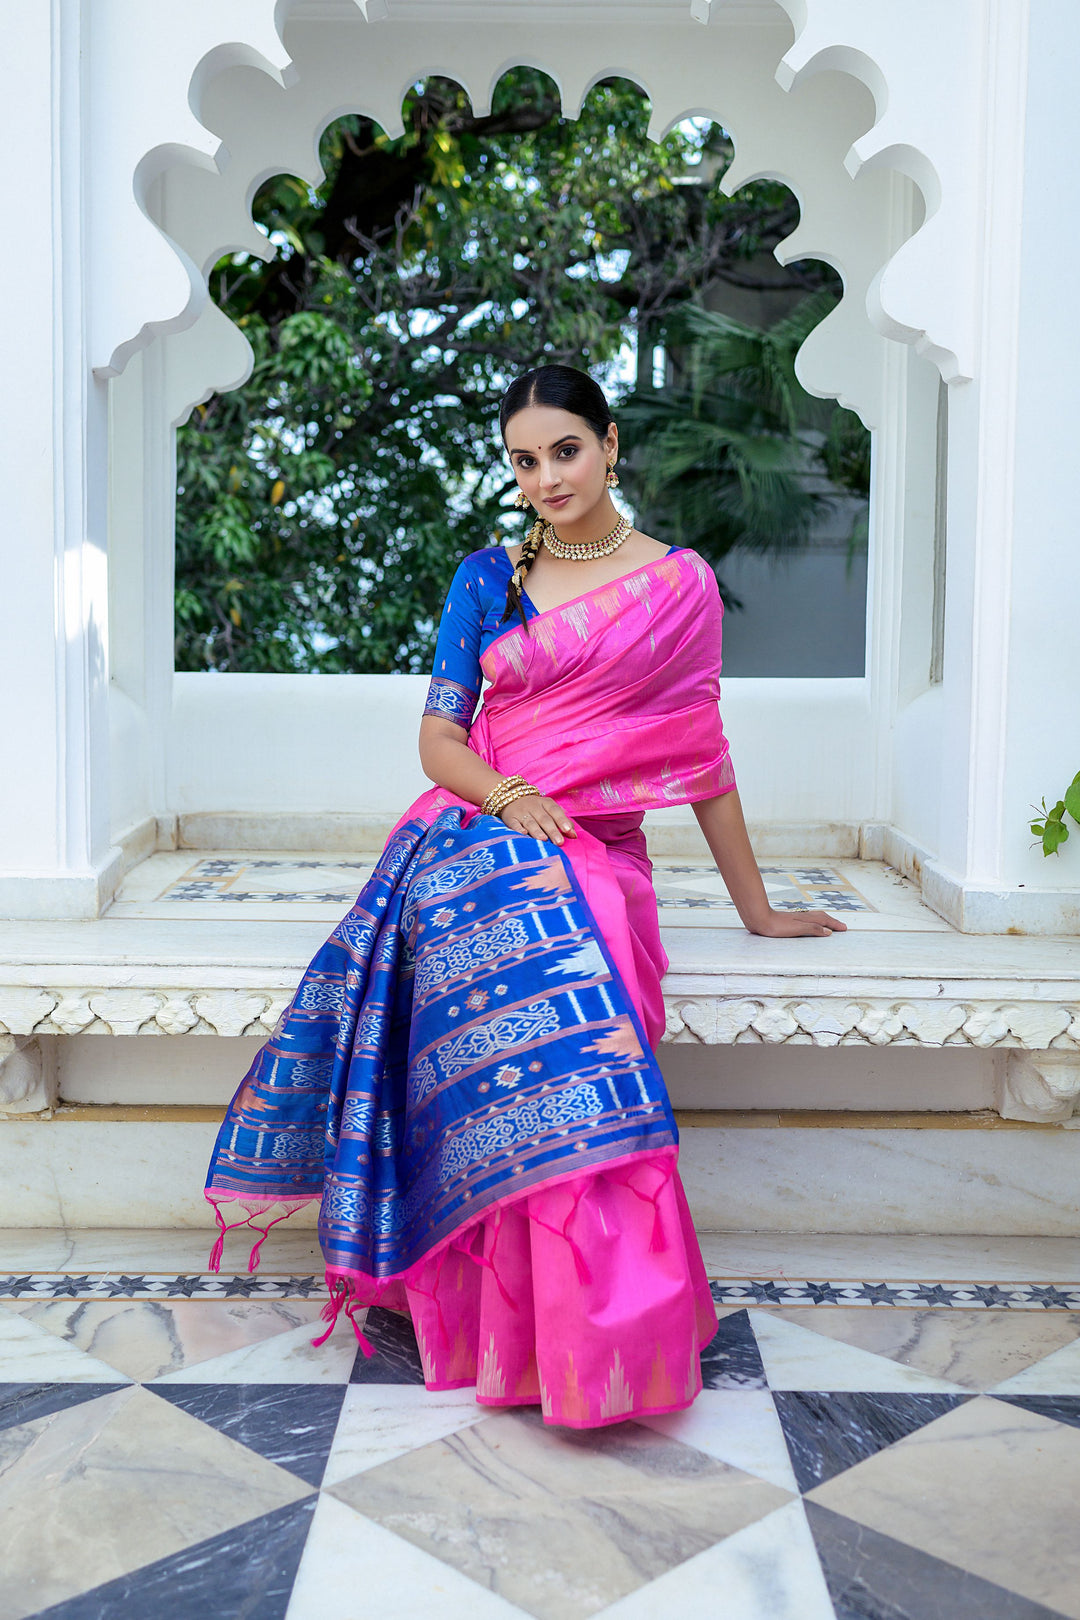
(728, 456)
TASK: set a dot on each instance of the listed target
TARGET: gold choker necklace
(586, 550)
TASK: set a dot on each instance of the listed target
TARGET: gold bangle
(526, 791)
(507, 795)
(507, 784)
(486, 809)
(505, 792)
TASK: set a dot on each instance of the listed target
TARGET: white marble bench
(228, 977)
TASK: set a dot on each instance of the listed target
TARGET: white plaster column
(1012, 704)
(1042, 752)
(53, 648)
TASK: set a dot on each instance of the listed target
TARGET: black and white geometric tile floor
(183, 1455)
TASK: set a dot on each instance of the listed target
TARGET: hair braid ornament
(530, 548)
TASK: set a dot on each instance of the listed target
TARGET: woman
(465, 1076)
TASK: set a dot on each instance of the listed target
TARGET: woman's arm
(449, 762)
(721, 820)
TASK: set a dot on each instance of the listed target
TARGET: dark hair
(567, 389)
(564, 387)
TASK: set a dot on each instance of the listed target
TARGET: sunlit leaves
(1072, 798)
(1050, 828)
(324, 506)
(724, 458)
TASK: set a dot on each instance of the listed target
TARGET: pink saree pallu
(465, 1079)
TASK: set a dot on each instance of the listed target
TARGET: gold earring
(611, 477)
(521, 501)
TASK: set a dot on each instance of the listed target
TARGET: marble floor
(264, 885)
(173, 1446)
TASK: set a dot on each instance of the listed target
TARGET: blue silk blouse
(471, 621)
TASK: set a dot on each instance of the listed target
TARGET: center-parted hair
(567, 389)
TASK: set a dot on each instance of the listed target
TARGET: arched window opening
(323, 506)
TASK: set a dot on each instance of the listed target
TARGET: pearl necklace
(586, 550)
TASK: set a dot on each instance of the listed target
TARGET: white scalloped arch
(269, 120)
(923, 65)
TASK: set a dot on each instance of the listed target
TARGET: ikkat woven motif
(461, 1036)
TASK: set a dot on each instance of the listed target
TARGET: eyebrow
(567, 438)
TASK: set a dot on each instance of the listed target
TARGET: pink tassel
(253, 1260)
(488, 1260)
(214, 1262)
(216, 1253)
(332, 1310)
(341, 1297)
(584, 1275)
(658, 1242)
(367, 1348)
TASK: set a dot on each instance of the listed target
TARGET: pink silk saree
(582, 1290)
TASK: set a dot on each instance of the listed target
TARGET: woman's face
(558, 460)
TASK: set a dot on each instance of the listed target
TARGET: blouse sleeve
(455, 677)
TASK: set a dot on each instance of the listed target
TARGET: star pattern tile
(263, 885)
(195, 1455)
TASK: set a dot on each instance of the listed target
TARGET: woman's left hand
(791, 924)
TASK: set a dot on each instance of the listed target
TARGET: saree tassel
(584, 1275)
(343, 1298)
(214, 1262)
(367, 1349)
(217, 1252)
(487, 1261)
(332, 1309)
(253, 1258)
(658, 1241)
(433, 1294)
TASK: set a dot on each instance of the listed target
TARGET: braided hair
(567, 389)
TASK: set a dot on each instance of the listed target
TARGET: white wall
(322, 744)
(1043, 714)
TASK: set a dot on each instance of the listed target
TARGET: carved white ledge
(715, 1021)
(1047, 1027)
(28, 1080)
(1041, 1086)
(111, 1011)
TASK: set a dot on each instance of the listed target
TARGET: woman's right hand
(538, 817)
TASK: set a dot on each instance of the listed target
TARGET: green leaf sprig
(1051, 828)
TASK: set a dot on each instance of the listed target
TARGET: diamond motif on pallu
(472, 1046)
(356, 932)
(416, 1121)
(455, 875)
(357, 1115)
(311, 1074)
(345, 1203)
(451, 700)
(299, 1144)
(320, 997)
(422, 1079)
(513, 1124)
(458, 956)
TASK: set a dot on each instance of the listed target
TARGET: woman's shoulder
(489, 563)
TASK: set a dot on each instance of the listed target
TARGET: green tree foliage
(734, 452)
(323, 507)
